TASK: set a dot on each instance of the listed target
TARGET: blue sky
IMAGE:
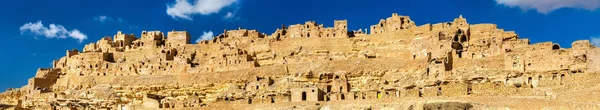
(35, 32)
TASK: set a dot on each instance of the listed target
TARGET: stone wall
(394, 23)
(306, 62)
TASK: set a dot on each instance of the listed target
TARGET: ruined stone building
(307, 62)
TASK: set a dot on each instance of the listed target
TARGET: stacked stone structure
(304, 63)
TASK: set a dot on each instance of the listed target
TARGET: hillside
(396, 65)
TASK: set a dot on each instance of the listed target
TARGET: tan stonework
(398, 65)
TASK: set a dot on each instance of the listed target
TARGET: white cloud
(232, 16)
(52, 31)
(104, 19)
(101, 18)
(228, 15)
(595, 41)
(546, 6)
(184, 9)
(75, 34)
(205, 36)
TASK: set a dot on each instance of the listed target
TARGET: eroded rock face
(306, 63)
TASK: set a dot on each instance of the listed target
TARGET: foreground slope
(450, 65)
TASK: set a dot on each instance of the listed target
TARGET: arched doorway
(530, 81)
(303, 96)
(561, 78)
(272, 100)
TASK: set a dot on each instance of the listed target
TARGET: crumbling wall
(243, 66)
(393, 23)
(439, 63)
(510, 45)
(312, 29)
(453, 89)
(123, 40)
(410, 92)
(306, 94)
(151, 40)
(177, 39)
(340, 28)
(540, 57)
(593, 58)
(45, 78)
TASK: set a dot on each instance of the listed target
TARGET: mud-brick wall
(312, 94)
(593, 58)
(430, 91)
(492, 89)
(281, 98)
(454, 89)
(551, 79)
(390, 94)
(414, 92)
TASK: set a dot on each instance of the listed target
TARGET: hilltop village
(449, 65)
